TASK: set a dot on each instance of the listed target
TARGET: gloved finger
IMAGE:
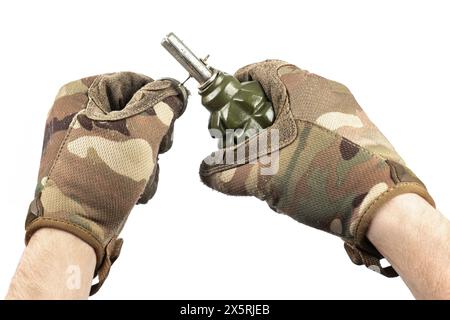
(268, 74)
(125, 94)
(135, 105)
(150, 188)
(238, 181)
(157, 124)
(166, 111)
(167, 141)
(177, 105)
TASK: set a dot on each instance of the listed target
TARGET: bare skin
(415, 239)
(412, 235)
(54, 265)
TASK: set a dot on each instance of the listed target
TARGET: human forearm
(55, 265)
(415, 239)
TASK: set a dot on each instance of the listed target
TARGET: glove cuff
(361, 251)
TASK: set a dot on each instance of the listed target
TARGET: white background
(191, 242)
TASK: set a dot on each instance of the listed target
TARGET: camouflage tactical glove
(335, 167)
(101, 145)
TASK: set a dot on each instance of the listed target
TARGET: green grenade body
(240, 106)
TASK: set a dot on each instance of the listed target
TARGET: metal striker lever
(196, 67)
(233, 105)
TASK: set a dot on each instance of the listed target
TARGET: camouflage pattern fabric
(335, 167)
(99, 157)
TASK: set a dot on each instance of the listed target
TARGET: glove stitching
(70, 128)
(336, 135)
(63, 143)
(67, 223)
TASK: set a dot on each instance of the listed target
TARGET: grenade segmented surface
(235, 105)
